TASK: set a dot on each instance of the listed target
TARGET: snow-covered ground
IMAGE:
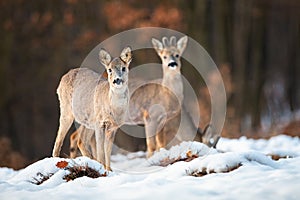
(240, 169)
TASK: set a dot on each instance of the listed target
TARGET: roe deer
(167, 93)
(169, 53)
(96, 104)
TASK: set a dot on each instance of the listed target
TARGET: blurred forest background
(255, 44)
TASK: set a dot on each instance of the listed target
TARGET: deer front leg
(150, 130)
(93, 146)
(100, 137)
(109, 139)
(161, 134)
(160, 140)
(154, 123)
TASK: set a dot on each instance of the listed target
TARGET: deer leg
(160, 134)
(150, 130)
(73, 144)
(93, 146)
(109, 139)
(100, 137)
(65, 123)
(160, 140)
(209, 138)
(84, 142)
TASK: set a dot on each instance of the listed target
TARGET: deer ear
(158, 46)
(126, 55)
(181, 44)
(104, 75)
(104, 57)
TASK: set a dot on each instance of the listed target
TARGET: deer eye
(177, 56)
(165, 57)
(109, 70)
(123, 69)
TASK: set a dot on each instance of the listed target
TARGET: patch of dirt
(168, 161)
(277, 157)
(204, 171)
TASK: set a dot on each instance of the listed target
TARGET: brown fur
(144, 96)
(98, 105)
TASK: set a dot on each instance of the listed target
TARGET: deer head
(117, 68)
(170, 52)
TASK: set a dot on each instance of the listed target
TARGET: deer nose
(173, 64)
(118, 81)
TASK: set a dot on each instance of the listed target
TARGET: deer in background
(98, 105)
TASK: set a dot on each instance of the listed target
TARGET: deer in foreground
(98, 105)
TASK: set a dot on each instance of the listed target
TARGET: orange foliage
(166, 17)
(68, 18)
(292, 129)
(72, 1)
(85, 38)
(121, 15)
(62, 164)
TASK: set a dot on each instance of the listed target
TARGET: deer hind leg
(65, 122)
(73, 144)
(83, 141)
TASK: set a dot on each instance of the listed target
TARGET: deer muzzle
(118, 81)
(173, 64)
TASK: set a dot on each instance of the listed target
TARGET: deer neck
(118, 97)
(174, 83)
(119, 101)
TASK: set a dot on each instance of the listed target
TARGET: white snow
(241, 171)
(282, 145)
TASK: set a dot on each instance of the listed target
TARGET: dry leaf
(62, 164)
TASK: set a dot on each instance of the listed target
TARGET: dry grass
(80, 171)
(41, 178)
(75, 171)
